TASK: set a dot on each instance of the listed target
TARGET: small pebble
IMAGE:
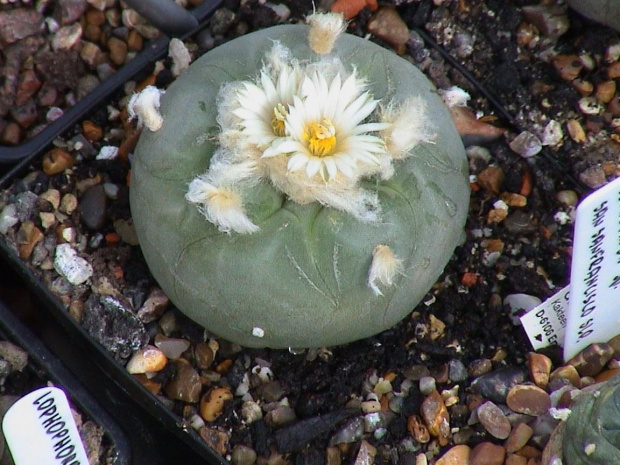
(74, 268)
(388, 26)
(526, 144)
(487, 453)
(519, 436)
(56, 161)
(180, 56)
(212, 403)
(186, 385)
(528, 399)
(242, 455)
(427, 385)
(456, 455)
(591, 360)
(8, 218)
(146, 360)
(540, 369)
(436, 417)
(494, 420)
(92, 206)
(172, 348)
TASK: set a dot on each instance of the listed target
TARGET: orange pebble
(350, 8)
(112, 238)
(469, 279)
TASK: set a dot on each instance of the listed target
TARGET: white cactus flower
(325, 129)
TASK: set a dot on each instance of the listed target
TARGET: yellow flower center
(277, 122)
(321, 138)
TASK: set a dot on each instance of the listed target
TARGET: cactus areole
(298, 187)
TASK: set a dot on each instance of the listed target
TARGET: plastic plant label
(594, 307)
(39, 429)
(545, 325)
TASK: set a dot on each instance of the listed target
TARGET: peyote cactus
(591, 434)
(606, 12)
(300, 188)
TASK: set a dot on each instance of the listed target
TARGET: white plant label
(594, 307)
(545, 325)
(39, 429)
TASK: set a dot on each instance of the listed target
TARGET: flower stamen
(277, 122)
(321, 138)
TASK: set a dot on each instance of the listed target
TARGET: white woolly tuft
(383, 269)
(279, 56)
(455, 97)
(409, 126)
(325, 28)
(221, 206)
(145, 106)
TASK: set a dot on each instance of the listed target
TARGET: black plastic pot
(12, 329)
(156, 436)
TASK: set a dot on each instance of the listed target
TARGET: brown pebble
(150, 384)
(487, 453)
(472, 130)
(494, 420)
(605, 91)
(95, 17)
(568, 372)
(491, 179)
(529, 452)
(28, 236)
(146, 360)
(606, 375)
(567, 66)
(591, 360)
(27, 86)
(366, 454)
(479, 367)
(387, 25)
(215, 438)
(118, 51)
(186, 385)
(203, 355)
(528, 399)
(513, 200)
(154, 306)
(613, 70)
(212, 402)
(540, 369)
(134, 41)
(436, 417)
(56, 161)
(518, 438)
(585, 88)
(456, 455)
(575, 130)
(515, 460)
(417, 429)
(497, 215)
(92, 131)
(11, 135)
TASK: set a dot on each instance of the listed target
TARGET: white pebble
(67, 263)
(107, 152)
(552, 135)
(8, 218)
(590, 106)
(258, 332)
(526, 144)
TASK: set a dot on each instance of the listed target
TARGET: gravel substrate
(457, 378)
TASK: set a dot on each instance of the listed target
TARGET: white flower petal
(313, 166)
(297, 162)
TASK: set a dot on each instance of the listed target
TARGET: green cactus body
(302, 279)
(591, 434)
